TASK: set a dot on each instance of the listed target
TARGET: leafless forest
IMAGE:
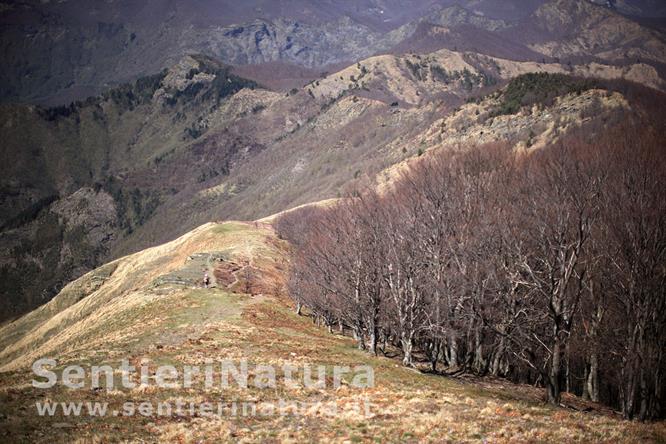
(546, 268)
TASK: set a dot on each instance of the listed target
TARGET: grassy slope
(313, 148)
(134, 314)
(178, 149)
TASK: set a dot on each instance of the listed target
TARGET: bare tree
(541, 267)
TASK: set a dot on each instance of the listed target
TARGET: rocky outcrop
(49, 57)
(582, 29)
(64, 240)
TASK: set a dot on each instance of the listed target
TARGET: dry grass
(115, 304)
(181, 325)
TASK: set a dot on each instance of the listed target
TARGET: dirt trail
(210, 269)
(249, 259)
(228, 273)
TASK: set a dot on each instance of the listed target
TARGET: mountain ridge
(120, 51)
(469, 188)
(185, 146)
(149, 309)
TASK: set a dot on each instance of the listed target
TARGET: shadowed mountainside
(148, 161)
(57, 52)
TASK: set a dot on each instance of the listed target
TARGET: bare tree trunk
(384, 340)
(373, 340)
(630, 376)
(586, 376)
(591, 382)
(374, 327)
(657, 404)
(644, 396)
(407, 347)
(628, 392)
(554, 390)
(358, 336)
(658, 393)
(497, 359)
(567, 369)
(479, 363)
(591, 385)
(436, 349)
(452, 350)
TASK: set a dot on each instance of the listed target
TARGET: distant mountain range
(56, 52)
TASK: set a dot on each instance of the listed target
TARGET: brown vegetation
(545, 268)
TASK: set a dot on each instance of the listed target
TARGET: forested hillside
(544, 267)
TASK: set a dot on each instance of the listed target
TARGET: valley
(148, 161)
(456, 202)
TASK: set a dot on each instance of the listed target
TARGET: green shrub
(539, 89)
(415, 69)
(439, 74)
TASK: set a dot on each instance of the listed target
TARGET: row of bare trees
(547, 267)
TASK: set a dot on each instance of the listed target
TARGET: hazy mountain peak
(564, 13)
(457, 15)
(583, 30)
